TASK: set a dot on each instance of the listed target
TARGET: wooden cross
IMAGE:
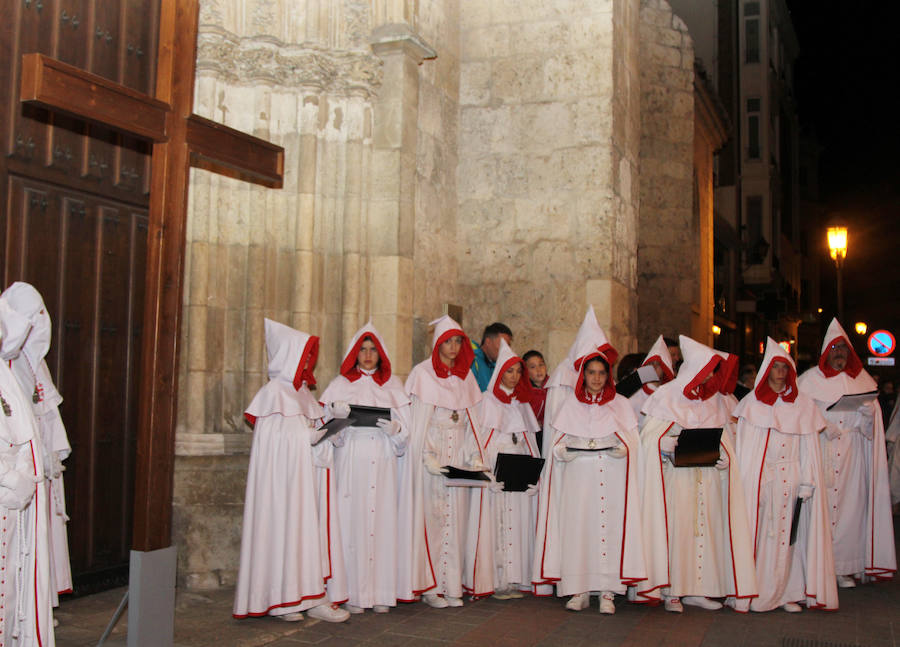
(179, 139)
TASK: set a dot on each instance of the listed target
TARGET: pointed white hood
(434, 383)
(824, 384)
(659, 351)
(590, 337)
(789, 411)
(507, 412)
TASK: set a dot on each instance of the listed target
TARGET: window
(751, 32)
(753, 106)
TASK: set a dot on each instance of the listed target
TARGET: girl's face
(511, 376)
(368, 356)
(537, 370)
(449, 349)
(595, 376)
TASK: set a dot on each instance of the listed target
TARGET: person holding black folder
(443, 393)
(507, 426)
(289, 549)
(661, 361)
(699, 546)
(778, 459)
(373, 482)
(854, 460)
(590, 539)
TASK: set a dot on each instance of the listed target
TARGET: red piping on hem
(259, 614)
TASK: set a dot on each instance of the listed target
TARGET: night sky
(846, 77)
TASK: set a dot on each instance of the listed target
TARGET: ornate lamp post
(837, 246)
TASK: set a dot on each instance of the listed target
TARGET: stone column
(391, 224)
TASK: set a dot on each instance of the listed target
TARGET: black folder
(517, 471)
(464, 477)
(360, 416)
(698, 447)
(795, 520)
(854, 401)
(630, 384)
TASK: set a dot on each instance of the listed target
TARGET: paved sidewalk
(869, 617)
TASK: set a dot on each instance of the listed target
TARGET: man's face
(368, 357)
(491, 345)
(594, 377)
(537, 370)
(449, 349)
(778, 375)
(511, 376)
(838, 354)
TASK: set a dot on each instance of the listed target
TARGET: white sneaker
(578, 602)
(435, 601)
(453, 602)
(380, 608)
(846, 581)
(792, 607)
(515, 594)
(351, 608)
(606, 602)
(328, 613)
(503, 594)
(702, 602)
(296, 616)
(673, 605)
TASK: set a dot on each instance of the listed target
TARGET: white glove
(832, 432)
(433, 467)
(722, 463)
(805, 491)
(389, 427)
(339, 409)
(495, 486)
(19, 489)
(532, 490)
(667, 444)
(619, 451)
(562, 453)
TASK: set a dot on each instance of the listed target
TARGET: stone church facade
(517, 159)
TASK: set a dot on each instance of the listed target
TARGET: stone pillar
(392, 208)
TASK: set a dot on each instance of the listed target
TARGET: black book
(517, 471)
(360, 416)
(795, 520)
(332, 427)
(740, 391)
(466, 478)
(698, 447)
(630, 384)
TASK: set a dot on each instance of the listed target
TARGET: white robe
(369, 480)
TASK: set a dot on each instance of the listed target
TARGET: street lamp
(837, 246)
(861, 327)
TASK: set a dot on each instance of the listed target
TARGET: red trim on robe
(307, 363)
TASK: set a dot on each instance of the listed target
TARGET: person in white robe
(855, 463)
(26, 610)
(290, 541)
(661, 360)
(778, 459)
(892, 438)
(698, 544)
(370, 478)
(443, 393)
(591, 544)
(33, 375)
(507, 425)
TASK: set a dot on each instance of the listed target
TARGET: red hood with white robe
(292, 356)
(503, 411)
(433, 382)
(826, 385)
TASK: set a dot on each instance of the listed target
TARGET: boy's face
(537, 370)
(511, 376)
(368, 357)
(778, 373)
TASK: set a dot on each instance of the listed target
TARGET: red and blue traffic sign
(882, 343)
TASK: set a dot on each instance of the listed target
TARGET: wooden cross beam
(179, 139)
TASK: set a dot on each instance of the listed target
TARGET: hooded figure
(695, 518)
(371, 478)
(778, 459)
(33, 375)
(444, 393)
(591, 543)
(854, 462)
(290, 546)
(508, 425)
(26, 611)
(564, 377)
(661, 360)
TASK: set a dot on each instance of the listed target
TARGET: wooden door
(73, 222)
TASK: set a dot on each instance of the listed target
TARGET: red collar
(350, 370)
(766, 395)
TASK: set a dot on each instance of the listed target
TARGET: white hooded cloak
(659, 352)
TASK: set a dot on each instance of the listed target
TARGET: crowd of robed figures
(795, 504)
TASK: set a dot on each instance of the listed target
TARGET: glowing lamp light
(762, 348)
(820, 310)
(837, 243)
(861, 327)
(716, 330)
(786, 345)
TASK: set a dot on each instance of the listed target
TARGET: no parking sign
(882, 343)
